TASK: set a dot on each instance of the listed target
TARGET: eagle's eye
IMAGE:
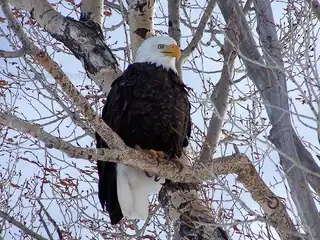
(160, 46)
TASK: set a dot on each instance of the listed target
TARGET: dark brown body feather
(147, 106)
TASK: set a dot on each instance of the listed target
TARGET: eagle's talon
(154, 154)
(157, 178)
(148, 174)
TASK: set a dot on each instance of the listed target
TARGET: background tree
(252, 69)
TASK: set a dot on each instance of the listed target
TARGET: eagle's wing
(123, 190)
(107, 171)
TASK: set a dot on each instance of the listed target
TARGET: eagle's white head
(161, 50)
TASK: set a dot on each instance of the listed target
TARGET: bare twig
(12, 54)
(53, 222)
(199, 32)
(21, 226)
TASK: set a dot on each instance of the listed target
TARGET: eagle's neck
(164, 61)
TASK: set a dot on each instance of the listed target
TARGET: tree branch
(21, 226)
(315, 7)
(53, 222)
(85, 41)
(174, 20)
(200, 29)
(238, 164)
(282, 132)
(219, 98)
(113, 140)
(141, 22)
(272, 88)
(92, 10)
(12, 54)
(247, 6)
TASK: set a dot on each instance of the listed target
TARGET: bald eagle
(148, 107)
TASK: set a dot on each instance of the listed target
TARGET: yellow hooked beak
(172, 50)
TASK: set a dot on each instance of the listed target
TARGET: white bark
(92, 10)
(62, 79)
(141, 22)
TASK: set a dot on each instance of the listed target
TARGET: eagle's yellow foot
(154, 154)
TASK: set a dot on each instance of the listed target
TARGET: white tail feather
(134, 187)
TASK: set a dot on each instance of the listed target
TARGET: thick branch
(284, 140)
(21, 226)
(55, 71)
(174, 20)
(84, 40)
(219, 98)
(141, 20)
(12, 54)
(237, 164)
(92, 10)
